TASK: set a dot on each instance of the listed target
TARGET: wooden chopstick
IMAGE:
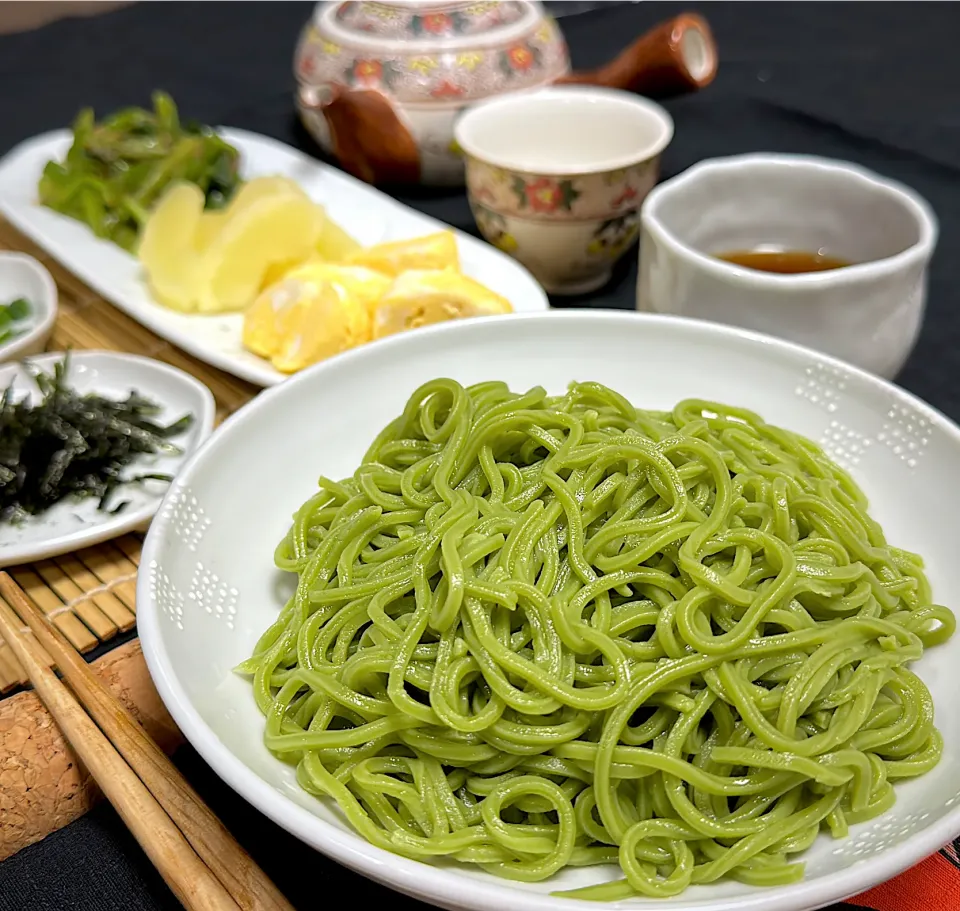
(190, 879)
(231, 868)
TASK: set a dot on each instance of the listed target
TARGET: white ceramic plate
(206, 590)
(71, 525)
(367, 214)
(23, 276)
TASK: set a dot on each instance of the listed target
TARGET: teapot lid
(426, 24)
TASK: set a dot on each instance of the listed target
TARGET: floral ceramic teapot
(381, 83)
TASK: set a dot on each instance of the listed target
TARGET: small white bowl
(23, 276)
(868, 313)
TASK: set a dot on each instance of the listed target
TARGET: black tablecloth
(875, 83)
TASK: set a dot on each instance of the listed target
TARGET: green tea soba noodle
(534, 631)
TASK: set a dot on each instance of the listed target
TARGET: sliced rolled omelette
(432, 251)
(316, 311)
(320, 326)
(421, 297)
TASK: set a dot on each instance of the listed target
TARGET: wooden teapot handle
(677, 56)
(368, 138)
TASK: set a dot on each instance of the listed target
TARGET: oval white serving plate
(207, 586)
(23, 276)
(366, 213)
(68, 525)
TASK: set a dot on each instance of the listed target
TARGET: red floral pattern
(419, 77)
(521, 58)
(544, 195)
(367, 71)
(581, 197)
(626, 196)
(437, 23)
(446, 89)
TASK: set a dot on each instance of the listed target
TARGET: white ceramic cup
(868, 313)
(555, 177)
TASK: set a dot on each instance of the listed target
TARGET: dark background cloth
(874, 83)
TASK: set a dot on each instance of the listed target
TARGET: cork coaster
(90, 595)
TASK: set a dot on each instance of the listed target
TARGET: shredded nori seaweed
(75, 446)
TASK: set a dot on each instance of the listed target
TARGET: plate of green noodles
(575, 607)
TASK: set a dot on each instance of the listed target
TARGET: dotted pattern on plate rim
(166, 595)
(823, 385)
(844, 445)
(207, 590)
(905, 433)
(885, 833)
(187, 519)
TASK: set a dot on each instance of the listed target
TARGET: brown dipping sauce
(785, 262)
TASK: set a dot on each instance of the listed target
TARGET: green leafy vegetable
(18, 309)
(72, 445)
(11, 315)
(118, 168)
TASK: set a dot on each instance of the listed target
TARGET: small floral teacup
(555, 177)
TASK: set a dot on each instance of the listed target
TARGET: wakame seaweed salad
(75, 446)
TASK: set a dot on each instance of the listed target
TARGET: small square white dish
(70, 525)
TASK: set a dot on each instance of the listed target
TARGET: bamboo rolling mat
(90, 595)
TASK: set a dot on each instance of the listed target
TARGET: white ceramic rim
(471, 120)
(38, 333)
(911, 201)
(445, 886)
(129, 521)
